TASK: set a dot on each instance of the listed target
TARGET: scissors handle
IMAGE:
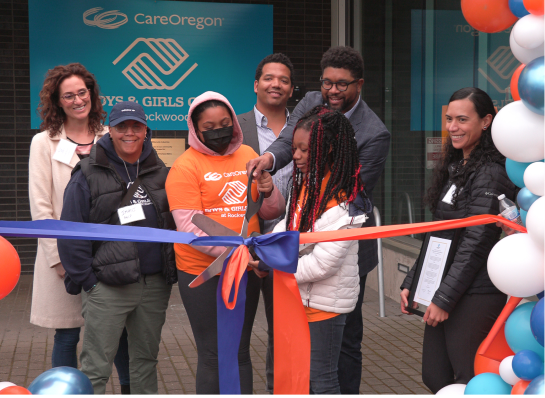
(253, 206)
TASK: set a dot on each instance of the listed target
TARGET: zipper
(309, 288)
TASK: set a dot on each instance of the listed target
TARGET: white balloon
(528, 31)
(518, 133)
(506, 371)
(535, 222)
(452, 389)
(515, 266)
(534, 178)
(524, 55)
(5, 384)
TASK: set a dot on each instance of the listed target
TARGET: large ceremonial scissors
(214, 228)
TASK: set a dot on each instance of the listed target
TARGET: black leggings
(450, 347)
(200, 305)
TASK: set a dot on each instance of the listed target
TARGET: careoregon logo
(147, 72)
(105, 20)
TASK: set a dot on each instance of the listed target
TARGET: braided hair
(332, 147)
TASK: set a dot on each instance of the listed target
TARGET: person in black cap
(124, 283)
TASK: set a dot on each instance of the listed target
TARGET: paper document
(432, 270)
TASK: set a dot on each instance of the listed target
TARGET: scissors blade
(244, 230)
(211, 227)
(212, 270)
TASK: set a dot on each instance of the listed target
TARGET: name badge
(448, 196)
(131, 213)
(65, 151)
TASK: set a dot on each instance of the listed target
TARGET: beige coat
(52, 307)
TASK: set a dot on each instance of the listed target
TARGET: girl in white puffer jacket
(325, 181)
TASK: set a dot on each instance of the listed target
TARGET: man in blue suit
(342, 80)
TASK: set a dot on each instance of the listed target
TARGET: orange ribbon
(291, 332)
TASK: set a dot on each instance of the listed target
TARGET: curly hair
(484, 152)
(52, 114)
(345, 58)
(331, 146)
(278, 58)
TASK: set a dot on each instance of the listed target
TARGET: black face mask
(219, 139)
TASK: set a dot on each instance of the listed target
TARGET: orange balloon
(490, 16)
(534, 7)
(10, 268)
(520, 387)
(515, 82)
(15, 390)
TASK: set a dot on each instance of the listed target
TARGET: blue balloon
(515, 171)
(525, 199)
(537, 322)
(523, 214)
(517, 8)
(518, 333)
(536, 387)
(541, 295)
(532, 85)
(527, 365)
(487, 384)
(62, 380)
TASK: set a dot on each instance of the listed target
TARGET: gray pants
(141, 308)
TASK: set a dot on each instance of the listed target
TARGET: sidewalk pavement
(392, 347)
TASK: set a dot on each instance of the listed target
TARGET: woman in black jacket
(466, 182)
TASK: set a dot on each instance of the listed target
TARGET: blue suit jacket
(373, 139)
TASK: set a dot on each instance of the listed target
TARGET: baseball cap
(127, 110)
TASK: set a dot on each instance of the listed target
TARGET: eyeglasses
(136, 128)
(83, 94)
(341, 86)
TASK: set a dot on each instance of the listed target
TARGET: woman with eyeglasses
(72, 122)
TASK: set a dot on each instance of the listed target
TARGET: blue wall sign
(161, 54)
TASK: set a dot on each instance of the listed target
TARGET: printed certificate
(432, 269)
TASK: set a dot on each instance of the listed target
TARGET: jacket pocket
(117, 263)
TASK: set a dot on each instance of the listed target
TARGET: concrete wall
(400, 250)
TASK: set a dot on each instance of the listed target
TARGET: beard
(344, 106)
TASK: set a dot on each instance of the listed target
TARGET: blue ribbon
(280, 251)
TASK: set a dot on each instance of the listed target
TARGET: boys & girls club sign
(160, 54)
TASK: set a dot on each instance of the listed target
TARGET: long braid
(331, 146)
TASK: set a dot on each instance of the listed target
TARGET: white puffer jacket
(328, 273)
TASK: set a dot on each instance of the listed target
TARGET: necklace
(127, 170)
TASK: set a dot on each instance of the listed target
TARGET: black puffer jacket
(468, 273)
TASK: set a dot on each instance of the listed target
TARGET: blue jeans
(350, 360)
(325, 347)
(65, 352)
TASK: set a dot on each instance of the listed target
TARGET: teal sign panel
(447, 54)
(161, 54)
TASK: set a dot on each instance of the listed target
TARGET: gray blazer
(373, 139)
(249, 131)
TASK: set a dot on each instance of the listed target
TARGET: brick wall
(301, 30)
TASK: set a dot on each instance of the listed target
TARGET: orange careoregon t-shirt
(215, 185)
(313, 314)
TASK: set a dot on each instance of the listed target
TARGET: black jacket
(93, 195)
(468, 273)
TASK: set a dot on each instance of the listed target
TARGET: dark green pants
(141, 307)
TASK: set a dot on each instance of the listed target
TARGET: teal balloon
(515, 171)
(487, 384)
(518, 332)
(536, 387)
(523, 214)
(525, 199)
(62, 380)
(532, 86)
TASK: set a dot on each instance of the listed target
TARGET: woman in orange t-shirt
(323, 197)
(210, 178)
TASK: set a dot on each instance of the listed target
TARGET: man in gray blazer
(261, 126)
(342, 80)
